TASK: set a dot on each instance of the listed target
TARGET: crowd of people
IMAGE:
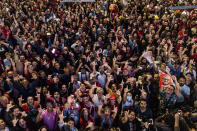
(108, 65)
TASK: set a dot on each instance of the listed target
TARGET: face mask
(129, 98)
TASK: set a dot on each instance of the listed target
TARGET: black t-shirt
(144, 115)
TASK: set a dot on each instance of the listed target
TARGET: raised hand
(14, 122)
(20, 99)
(40, 110)
(126, 90)
(37, 96)
(24, 113)
(90, 125)
(191, 61)
(9, 106)
(114, 59)
(126, 113)
(122, 83)
(61, 117)
(174, 78)
(118, 92)
(115, 110)
(107, 96)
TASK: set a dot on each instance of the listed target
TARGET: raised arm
(192, 50)
(177, 90)
(100, 110)
(114, 112)
(125, 118)
(107, 84)
(38, 117)
(20, 100)
(91, 92)
(77, 71)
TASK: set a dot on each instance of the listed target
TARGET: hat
(112, 97)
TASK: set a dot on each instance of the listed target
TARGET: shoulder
(186, 88)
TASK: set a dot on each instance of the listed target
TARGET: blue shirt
(186, 89)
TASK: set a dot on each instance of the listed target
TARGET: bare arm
(107, 84)
(192, 50)
(77, 71)
(25, 68)
(16, 58)
(13, 66)
(38, 117)
(91, 92)
(177, 90)
(100, 110)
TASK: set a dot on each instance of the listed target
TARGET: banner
(165, 80)
(77, 0)
(182, 7)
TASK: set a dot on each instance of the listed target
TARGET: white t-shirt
(97, 101)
